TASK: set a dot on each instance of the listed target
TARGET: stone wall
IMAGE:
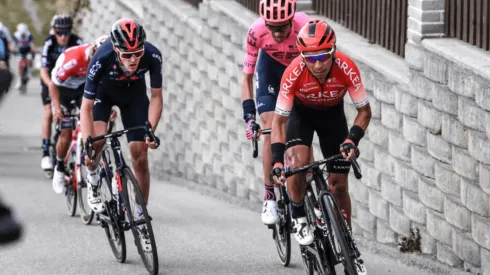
(425, 157)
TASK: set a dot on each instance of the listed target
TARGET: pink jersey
(259, 38)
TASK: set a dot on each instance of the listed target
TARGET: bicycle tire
(86, 214)
(126, 178)
(119, 238)
(70, 192)
(348, 261)
(283, 230)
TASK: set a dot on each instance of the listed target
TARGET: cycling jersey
(299, 86)
(51, 50)
(259, 37)
(23, 41)
(3, 51)
(71, 67)
(106, 75)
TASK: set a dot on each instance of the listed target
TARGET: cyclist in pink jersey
(275, 32)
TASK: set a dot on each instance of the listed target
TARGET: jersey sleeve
(58, 74)
(95, 72)
(252, 51)
(155, 68)
(285, 99)
(355, 87)
(45, 60)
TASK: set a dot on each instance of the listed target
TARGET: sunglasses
(318, 57)
(281, 28)
(129, 55)
(62, 33)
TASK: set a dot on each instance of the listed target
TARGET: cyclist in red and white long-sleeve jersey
(274, 33)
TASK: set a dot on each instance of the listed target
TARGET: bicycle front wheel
(282, 229)
(340, 235)
(140, 222)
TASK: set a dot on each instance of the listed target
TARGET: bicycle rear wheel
(347, 252)
(140, 226)
(70, 191)
(113, 229)
(282, 229)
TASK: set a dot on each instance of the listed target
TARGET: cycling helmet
(100, 40)
(128, 35)
(277, 11)
(22, 28)
(316, 35)
(62, 21)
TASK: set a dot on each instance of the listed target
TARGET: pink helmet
(277, 11)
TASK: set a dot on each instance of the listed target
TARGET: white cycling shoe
(58, 181)
(46, 163)
(303, 232)
(94, 199)
(360, 268)
(269, 212)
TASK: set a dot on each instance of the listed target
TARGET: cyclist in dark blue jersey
(116, 77)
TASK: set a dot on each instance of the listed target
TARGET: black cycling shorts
(66, 97)
(330, 126)
(45, 94)
(133, 105)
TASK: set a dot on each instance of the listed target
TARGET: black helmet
(62, 21)
(128, 35)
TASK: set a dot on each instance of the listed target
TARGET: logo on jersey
(354, 77)
(97, 101)
(72, 63)
(291, 78)
(271, 90)
(156, 56)
(94, 70)
(61, 72)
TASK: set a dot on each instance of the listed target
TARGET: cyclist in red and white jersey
(68, 79)
(311, 100)
(274, 33)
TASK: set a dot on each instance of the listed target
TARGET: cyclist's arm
(359, 97)
(94, 74)
(156, 99)
(46, 63)
(58, 75)
(249, 62)
(284, 106)
(87, 118)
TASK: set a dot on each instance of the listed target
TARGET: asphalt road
(195, 233)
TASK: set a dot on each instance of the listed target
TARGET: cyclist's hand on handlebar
(349, 150)
(58, 114)
(251, 124)
(277, 175)
(152, 144)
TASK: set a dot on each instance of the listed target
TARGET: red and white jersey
(71, 66)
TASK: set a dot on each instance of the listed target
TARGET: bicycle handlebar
(355, 166)
(256, 129)
(91, 140)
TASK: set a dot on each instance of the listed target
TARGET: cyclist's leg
(46, 127)
(132, 115)
(332, 131)
(102, 110)
(18, 57)
(299, 137)
(268, 81)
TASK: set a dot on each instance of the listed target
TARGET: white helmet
(22, 28)
(100, 40)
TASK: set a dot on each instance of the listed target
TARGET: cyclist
(311, 100)
(117, 77)
(67, 82)
(24, 42)
(7, 41)
(54, 45)
(275, 33)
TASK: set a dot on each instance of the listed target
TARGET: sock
(298, 210)
(269, 194)
(60, 164)
(92, 176)
(45, 146)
